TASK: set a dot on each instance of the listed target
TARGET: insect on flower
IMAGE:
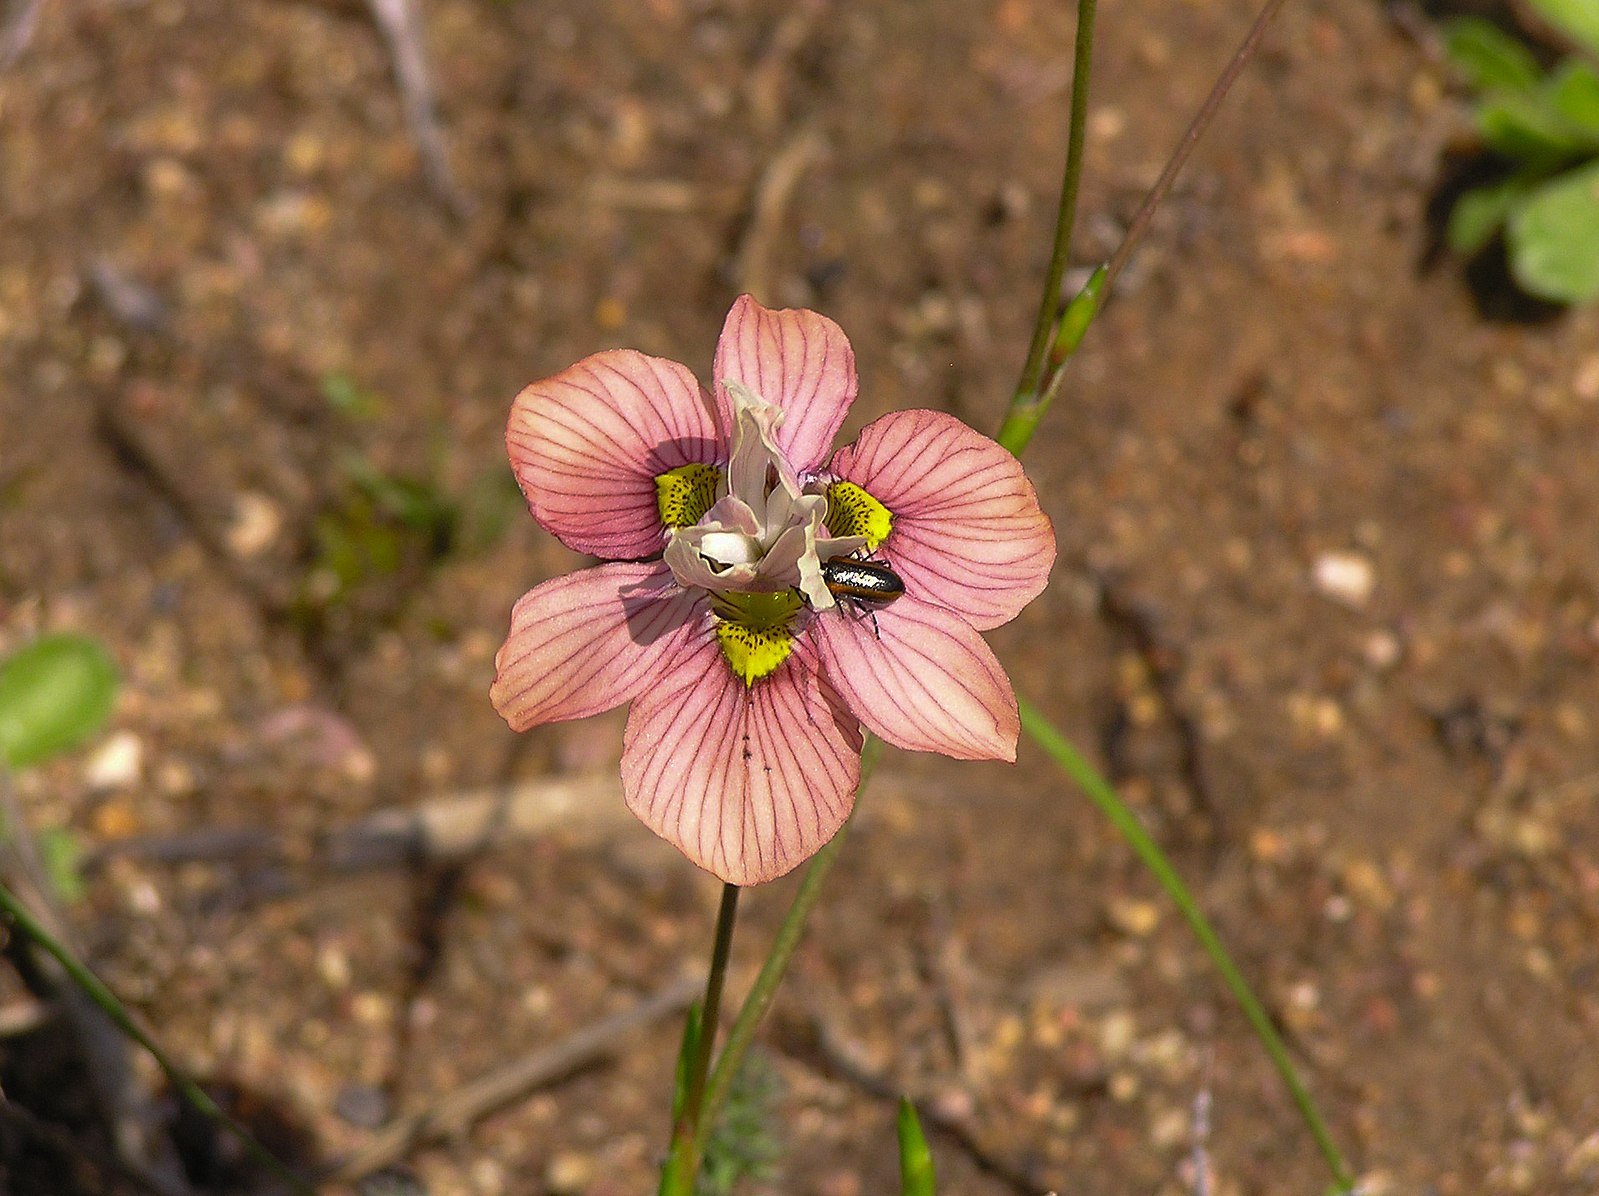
(867, 582)
(863, 585)
(731, 543)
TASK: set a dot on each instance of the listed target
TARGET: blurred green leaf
(349, 398)
(55, 693)
(692, 1025)
(1528, 129)
(488, 508)
(1572, 93)
(1554, 238)
(916, 1176)
(416, 503)
(1480, 212)
(1489, 58)
(1577, 19)
(18, 916)
(61, 855)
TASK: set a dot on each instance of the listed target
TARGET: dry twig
(457, 1111)
(18, 30)
(752, 264)
(403, 31)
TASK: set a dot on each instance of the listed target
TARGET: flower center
(755, 537)
(753, 631)
(851, 511)
(684, 494)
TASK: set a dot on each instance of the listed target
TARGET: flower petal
(588, 443)
(589, 641)
(922, 679)
(968, 532)
(797, 359)
(747, 781)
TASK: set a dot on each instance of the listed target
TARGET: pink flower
(715, 518)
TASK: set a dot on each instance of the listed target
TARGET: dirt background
(1327, 603)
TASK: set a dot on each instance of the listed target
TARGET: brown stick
(772, 194)
(18, 31)
(459, 1109)
(403, 31)
(1196, 130)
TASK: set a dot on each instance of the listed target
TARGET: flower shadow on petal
(591, 640)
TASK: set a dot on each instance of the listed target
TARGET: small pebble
(569, 1173)
(1136, 918)
(117, 763)
(1345, 577)
(1116, 1033)
(1382, 650)
(362, 1105)
(255, 525)
(1585, 382)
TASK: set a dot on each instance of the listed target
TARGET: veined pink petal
(587, 444)
(923, 680)
(748, 782)
(591, 640)
(968, 532)
(797, 359)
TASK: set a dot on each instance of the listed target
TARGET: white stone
(117, 763)
(255, 524)
(1345, 577)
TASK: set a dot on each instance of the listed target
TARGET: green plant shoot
(1545, 126)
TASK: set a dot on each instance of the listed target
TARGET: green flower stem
(1042, 383)
(1102, 795)
(15, 912)
(788, 938)
(688, 1142)
(726, 914)
(1027, 390)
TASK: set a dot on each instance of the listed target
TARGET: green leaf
(349, 398)
(17, 915)
(916, 1176)
(1554, 238)
(55, 693)
(1526, 128)
(62, 856)
(1059, 749)
(1489, 58)
(685, 1059)
(1572, 93)
(1479, 213)
(1079, 314)
(1577, 19)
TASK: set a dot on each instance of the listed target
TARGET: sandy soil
(1327, 605)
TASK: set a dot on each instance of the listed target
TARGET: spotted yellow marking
(684, 494)
(753, 631)
(851, 511)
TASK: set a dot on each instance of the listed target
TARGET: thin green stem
(18, 914)
(726, 914)
(1029, 404)
(788, 938)
(1196, 129)
(1148, 851)
(1066, 214)
(688, 1142)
